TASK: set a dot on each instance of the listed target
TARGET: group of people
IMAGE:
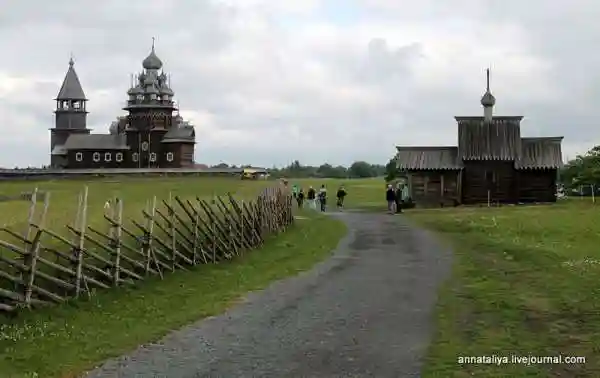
(395, 197)
(312, 197)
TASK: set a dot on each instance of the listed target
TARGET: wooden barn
(491, 164)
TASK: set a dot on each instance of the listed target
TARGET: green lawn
(64, 341)
(134, 191)
(525, 282)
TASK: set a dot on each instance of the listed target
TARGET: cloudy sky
(266, 82)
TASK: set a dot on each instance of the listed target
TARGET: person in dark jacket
(390, 196)
(300, 198)
(323, 197)
(341, 194)
(398, 198)
(311, 196)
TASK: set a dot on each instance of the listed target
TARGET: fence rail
(40, 266)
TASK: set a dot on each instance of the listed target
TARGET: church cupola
(488, 100)
(152, 62)
(151, 87)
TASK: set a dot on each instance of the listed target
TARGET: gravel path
(365, 312)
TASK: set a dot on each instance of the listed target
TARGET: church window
(145, 146)
(76, 105)
(107, 156)
(135, 156)
(96, 157)
(79, 156)
(169, 156)
(119, 157)
(153, 157)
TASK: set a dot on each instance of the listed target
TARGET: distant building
(151, 135)
(492, 162)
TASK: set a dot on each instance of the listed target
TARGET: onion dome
(488, 99)
(152, 62)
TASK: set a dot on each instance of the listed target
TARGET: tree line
(358, 169)
(584, 170)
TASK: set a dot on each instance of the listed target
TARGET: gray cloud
(268, 82)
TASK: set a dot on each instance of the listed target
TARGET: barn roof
(496, 140)
(96, 142)
(540, 153)
(184, 134)
(59, 150)
(428, 158)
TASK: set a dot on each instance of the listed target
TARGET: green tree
(391, 172)
(361, 169)
(583, 170)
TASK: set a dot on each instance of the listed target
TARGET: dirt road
(365, 312)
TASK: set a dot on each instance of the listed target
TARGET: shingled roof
(71, 87)
(58, 150)
(96, 142)
(496, 140)
(184, 134)
(540, 153)
(428, 158)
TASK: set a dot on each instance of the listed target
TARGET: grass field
(136, 191)
(525, 283)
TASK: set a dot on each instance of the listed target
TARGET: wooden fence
(40, 266)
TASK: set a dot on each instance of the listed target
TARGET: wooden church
(492, 163)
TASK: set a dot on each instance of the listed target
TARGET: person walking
(390, 196)
(398, 198)
(323, 197)
(300, 198)
(310, 197)
(295, 191)
(341, 194)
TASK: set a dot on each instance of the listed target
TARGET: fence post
(214, 242)
(79, 251)
(195, 236)
(31, 215)
(34, 251)
(173, 233)
(117, 239)
(27, 233)
(148, 237)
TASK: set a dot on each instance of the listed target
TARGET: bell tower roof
(71, 87)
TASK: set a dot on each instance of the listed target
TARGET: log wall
(537, 185)
(499, 177)
(434, 188)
